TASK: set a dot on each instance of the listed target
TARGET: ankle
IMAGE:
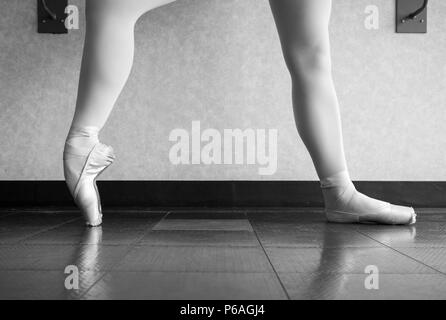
(81, 140)
(337, 188)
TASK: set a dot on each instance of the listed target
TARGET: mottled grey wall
(219, 62)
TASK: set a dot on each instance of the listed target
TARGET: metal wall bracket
(51, 16)
(411, 16)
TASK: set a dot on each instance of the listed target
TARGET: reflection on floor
(219, 254)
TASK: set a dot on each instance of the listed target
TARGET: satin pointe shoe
(391, 215)
(344, 204)
(82, 184)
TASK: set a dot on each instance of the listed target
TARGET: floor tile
(427, 226)
(430, 214)
(187, 286)
(42, 285)
(206, 214)
(5, 212)
(19, 226)
(57, 257)
(342, 260)
(37, 218)
(69, 233)
(11, 235)
(433, 257)
(352, 286)
(200, 238)
(300, 215)
(126, 213)
(409, 236)
(285, 235)
(146, 253)
(204, 224)
(195, 259)
(111, 232)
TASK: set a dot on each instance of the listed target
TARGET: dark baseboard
(427, 194)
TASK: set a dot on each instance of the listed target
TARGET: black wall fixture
(411, 16)
(51, 16)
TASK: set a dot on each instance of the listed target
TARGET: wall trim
(427, 194)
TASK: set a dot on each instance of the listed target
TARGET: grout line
(190, 245)
(130, 246)
(271, 264)
(402, 253)
(24, 239)
(148, 229)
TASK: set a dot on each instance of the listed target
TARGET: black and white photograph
(222, 154)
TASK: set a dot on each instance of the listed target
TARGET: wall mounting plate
(405, 8)
(46, 22)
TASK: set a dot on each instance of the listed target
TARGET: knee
(308, 60)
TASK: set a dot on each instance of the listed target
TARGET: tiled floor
(218, 254)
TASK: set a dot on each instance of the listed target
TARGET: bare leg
(303, 30)
(106, 65)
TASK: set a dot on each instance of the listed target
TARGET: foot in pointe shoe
(344, 204)
(81, 171)
(86, 194)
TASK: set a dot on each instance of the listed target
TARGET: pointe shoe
(392, 215)
(344, 204)
(85, 193)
